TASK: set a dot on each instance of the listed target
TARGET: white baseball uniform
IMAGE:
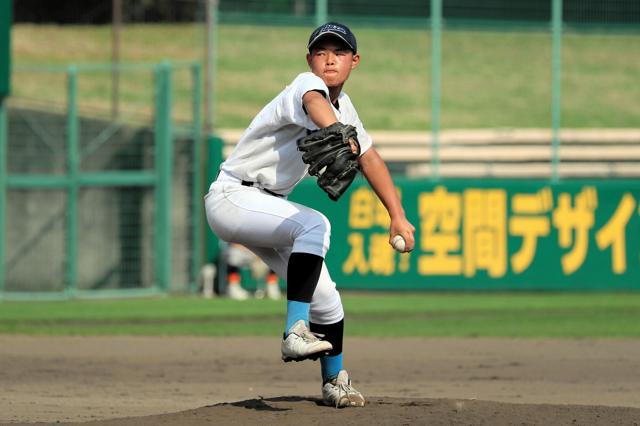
(248, 204)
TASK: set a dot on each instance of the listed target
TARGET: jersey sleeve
(290, 107)
(306, 82)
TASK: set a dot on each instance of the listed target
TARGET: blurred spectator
(239, 257)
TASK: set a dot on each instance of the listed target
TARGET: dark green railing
(158, 178)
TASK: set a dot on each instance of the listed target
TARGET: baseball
(398, 243)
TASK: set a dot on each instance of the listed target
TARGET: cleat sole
(311, 357)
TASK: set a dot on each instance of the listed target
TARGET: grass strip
(490, 79)
(376, 315)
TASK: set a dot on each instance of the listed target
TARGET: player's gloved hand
(332, 155)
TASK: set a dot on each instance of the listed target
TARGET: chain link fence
(101, 201)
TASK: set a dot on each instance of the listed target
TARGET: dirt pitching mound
(126, 380)
(295, 410)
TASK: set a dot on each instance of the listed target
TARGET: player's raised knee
(315, 236)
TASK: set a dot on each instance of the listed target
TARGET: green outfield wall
(488, 235)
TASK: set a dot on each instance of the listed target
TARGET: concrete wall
(116, 224)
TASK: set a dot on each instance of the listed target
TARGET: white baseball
(398, 243)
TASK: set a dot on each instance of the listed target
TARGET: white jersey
(267, 152)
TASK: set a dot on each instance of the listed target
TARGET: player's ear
(355, 61)
(309, 59)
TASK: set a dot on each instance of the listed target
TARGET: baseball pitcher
(310, 127)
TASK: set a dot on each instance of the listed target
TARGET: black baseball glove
(332, 155)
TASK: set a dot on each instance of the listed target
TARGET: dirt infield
(435, 381)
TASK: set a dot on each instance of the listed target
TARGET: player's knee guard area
(315, 236)
(326, 306)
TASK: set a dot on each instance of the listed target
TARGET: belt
(247, 183)
(228, 177)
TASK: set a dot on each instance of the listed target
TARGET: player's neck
(334, 93)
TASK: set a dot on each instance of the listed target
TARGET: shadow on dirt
(262, 404)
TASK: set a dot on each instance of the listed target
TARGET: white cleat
(300, 344)
(236, 292)
(339, 392)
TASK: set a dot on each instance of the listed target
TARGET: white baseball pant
(273, 227)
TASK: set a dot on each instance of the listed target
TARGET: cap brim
(329, 33)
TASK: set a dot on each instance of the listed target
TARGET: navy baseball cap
(334, 29)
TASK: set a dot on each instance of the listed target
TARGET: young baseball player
(248, 203)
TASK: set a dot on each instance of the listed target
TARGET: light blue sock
(296, 311)
(331, 366)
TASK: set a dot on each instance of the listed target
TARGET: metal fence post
(3, 191)
(214, 159)
(210, 65)
(163, 165)
(436, 28)
(197, 176)
(73, 163)
(321, 12)
(556, 84)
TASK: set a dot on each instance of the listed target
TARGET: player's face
(332, 61)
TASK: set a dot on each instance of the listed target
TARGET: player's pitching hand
(404, 228)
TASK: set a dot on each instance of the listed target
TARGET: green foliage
(489, 78)
(371, 314)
